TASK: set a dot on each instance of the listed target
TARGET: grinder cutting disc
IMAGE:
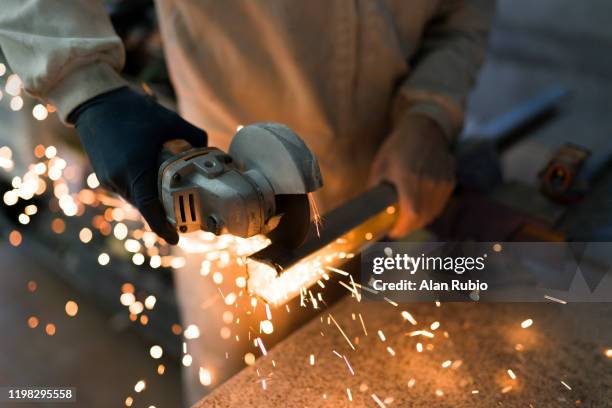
(295, 221)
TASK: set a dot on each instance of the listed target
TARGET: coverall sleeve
(446, 65)
(65, 51)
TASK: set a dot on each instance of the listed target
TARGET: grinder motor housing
(243, 193)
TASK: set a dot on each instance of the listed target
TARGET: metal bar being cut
(277, 275)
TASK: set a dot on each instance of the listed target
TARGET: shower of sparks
(51, 176)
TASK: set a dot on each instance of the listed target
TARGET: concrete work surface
(559, 361)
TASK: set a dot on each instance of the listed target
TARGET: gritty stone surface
(565, 343)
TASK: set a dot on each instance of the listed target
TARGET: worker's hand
(416, 159)
(123, 133)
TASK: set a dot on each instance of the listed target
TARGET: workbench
(559, 361)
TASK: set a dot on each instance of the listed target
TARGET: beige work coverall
(341, 73)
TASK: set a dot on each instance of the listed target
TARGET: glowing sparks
(565, 385)
(526, 323)
(33, 322)
(447, 364)
(312, 359)
(156, 352)
(554, 299)
(16, 103)
(266, 326)
(127, 299)
(511, 374)
(192, 332)
(103, 259)
(13, 85)
(120, 231)
(406, 315)
(140, 386)
(71, 308)
(381, 335)
(608, 353)
(132, 245)
(85, 235)
(150, 302)
(249, 358)
(50, 329)
(40, 112)
(423, 333)
(92, 181)
(15, 238)
(316, 216)
(205, 377)
(230, 299)
(378, 401)
(136, 308)
(342, 332)
(261, 346)
(348, 365)
(363, 325)
(138, 259)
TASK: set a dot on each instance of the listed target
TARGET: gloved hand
(123, 133)
(417, 160)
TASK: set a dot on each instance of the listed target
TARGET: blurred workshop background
(83, 303)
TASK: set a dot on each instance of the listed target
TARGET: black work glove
(123, 133)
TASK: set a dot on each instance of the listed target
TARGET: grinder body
(258, 187)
